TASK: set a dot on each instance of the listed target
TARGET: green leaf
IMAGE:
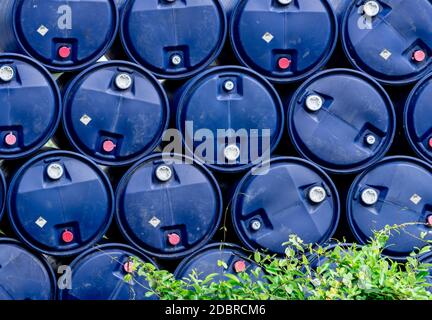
(257, 257)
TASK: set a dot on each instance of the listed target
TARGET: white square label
(42, 30)
(41, 222)
(385, 54)
(267, 37)
(416, 199)
(154, 222)
(85, 119)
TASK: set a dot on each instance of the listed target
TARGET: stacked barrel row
(325, 89)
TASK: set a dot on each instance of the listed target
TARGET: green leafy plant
(343, 273)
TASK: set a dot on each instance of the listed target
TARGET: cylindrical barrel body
(342, 120)
(31, 106)
(395, 191)
(291, 197)
(169, 206)
(230, 118)
(173, 39)
(115, 113)
(417, 125)
(62, 35)
(285, 41)
(23, 275)
(60, 203)
(99, 274)
(390, 40)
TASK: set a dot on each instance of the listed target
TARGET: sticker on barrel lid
(268, 37)
(42, 30)
(85, 119)
(154, 222)
(416, 199)
(385, 54)
(41, 222)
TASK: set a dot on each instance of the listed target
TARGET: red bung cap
(64, 52)
(108, 146)
(284, 63)
(67, 236)
(240, 266)
(174, 239)
(10, 139)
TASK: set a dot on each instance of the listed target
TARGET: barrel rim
(3, 185)
(77, 80)
(379, 88)
(293, 160)
(53, 252)
(132, 239)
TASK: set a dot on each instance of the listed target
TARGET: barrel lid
(169, 206)
(390, 40)
(63, 35)
(285, 41)
(26, 125)
(173, 39)
(132, 121)
(60, 203)
(293, 197)
(207, 261)
(394, 191)
(342, 120)
(23, 275)
(237, 103)
(99, 274)
(417, 125)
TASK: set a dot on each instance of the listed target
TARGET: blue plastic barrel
(168, 206)
(3, 192)
(62, 35)
(23, 275)
(173, 39)
(31, 106)
(285, 41)
(418, 128)
(230, 117)
(293, 197)
(99, 274)
(115, 113)
(208, 260)
(60, 203)
(342, 120)
(390, 40)
(395, 191)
